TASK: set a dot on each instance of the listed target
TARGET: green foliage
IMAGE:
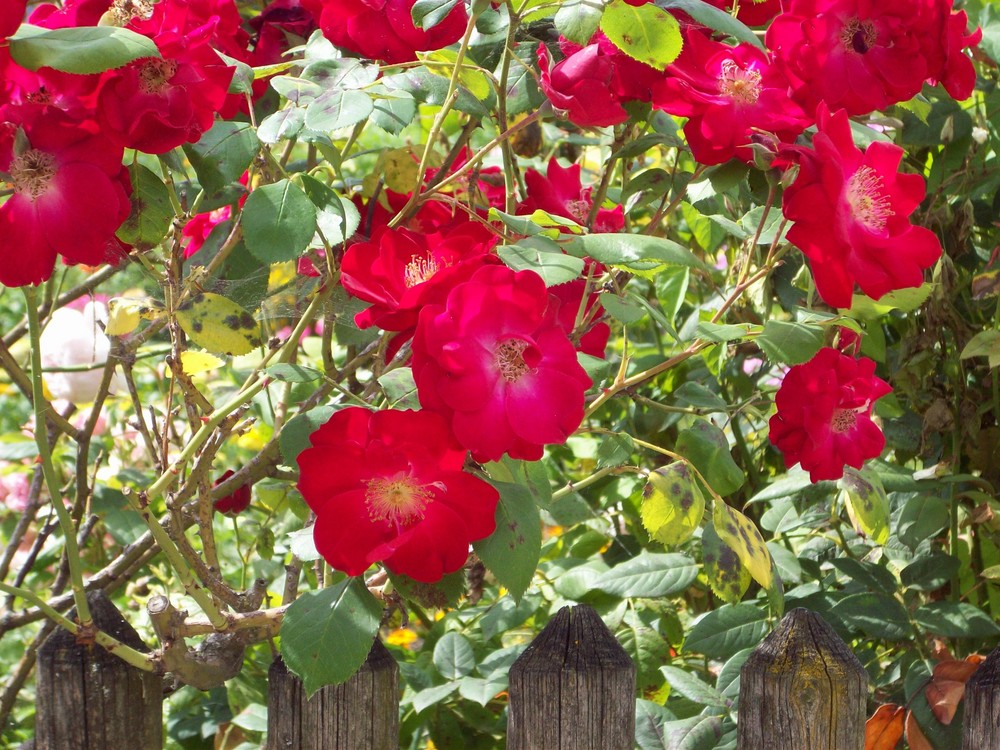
(81, 50)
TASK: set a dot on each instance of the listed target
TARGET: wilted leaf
(915, 736)
(947, 687)
(884, 729)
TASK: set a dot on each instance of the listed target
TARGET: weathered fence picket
(981, 725)
(360, 714)
(89, 699)
(802, 689)
(573, 688)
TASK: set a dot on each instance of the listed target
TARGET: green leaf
(480, 690)
(648, 650)
(453, 656)
(699, 396)
(427, 14)
(533, 254)
(293, 373)
(648, 575)
(428, 88)
(636, 251)
(294, 437)
(650, 725)
(724, 631)
(338, 109)
(395, 112)
(984, 344)
(222, 154)
(442, 594)
(615, 450)
(790, 343)
(623, 309)
(956, 620)
(279, 221)
(672, 504)
(715, 18)
(726, 575)
(931, 572)
(511, 552)
(904, 300)
(722, 333)
(577, 20)
(433, 695)
(79, 49)
(281, 125)
(875, 615)
(152, 211)
(697, 733)
(693, 688)
(739, 532)
(867, 503)
(922, 517)
(506, 614)
(705, 445)
(645, 33)
(400, 388)
(219, 325)
(326, 635)
(336, 217)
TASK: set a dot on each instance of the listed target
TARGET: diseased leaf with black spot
(867, 504)
(672, 504)
(739, 532)
(219, 325)
(727, 576)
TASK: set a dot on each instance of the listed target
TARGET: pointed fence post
(981, 726)
(573, 688)
(360, 714)
(89, 699)
(802, 689)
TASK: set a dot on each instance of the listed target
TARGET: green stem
(45, 458)
(136, 658)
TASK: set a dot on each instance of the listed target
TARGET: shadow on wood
(981, 726)
(573, 688)
(360, 714)
(89, 699)
(802, 689)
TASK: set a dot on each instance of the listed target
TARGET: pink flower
(389, 486)
(751, 12)
(560, 193)
(863, 55)
(70, 194)
(158, 103)
(383, 29)
(728, 94)
(851, 215)
(496, 363)
(824, 420)
(15, 490)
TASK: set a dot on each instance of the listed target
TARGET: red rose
(496, 363)
(728, 94)
(593, 337)
(383, 29)
(70, 194)
(389, 486)
(851, 215)
(824, 420)
(237, 501)
(400, 271)
(11, 15)
(579, 86)
(560, 193)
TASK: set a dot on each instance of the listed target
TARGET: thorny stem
(45, 458)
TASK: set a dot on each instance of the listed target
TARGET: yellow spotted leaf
(726, 574)
(193, 362)
(867, 504)
(400, 170)
(219, 325)
(739, 532)
(124, 314)
(672, 504)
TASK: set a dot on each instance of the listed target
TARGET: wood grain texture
(360, 714)
(981, 725)
(573, 688)
(89, 699)
(802, 689)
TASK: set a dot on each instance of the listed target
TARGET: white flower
(73, 339)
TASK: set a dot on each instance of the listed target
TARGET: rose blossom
(236, 501)
(851, 215)
(389, 486)
(72, 338)
(728, 94)
(70, 193)
(579, 86)
(560, 193)
(11, 15)
(496, 363)
(824, 420)
(383, 29)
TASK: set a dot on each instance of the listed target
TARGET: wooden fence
(573, 688)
